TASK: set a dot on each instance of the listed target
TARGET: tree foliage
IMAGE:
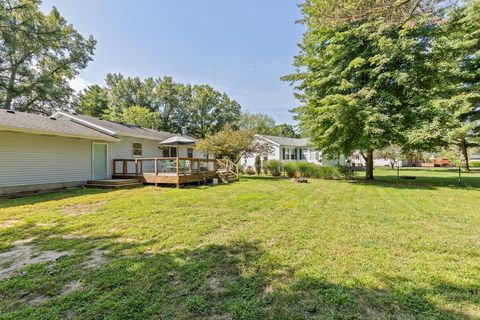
(334, 13)
(233, 144)
(166, 104)
(93, 101)
(458, 50)
(265, 124)
(39, 54)
(365, 84)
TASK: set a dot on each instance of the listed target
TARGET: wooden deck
(172, 171)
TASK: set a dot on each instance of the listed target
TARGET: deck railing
(163, 166)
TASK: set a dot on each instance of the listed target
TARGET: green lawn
(259, 248)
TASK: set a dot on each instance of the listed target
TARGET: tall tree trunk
(464, 152)
(10, 89)
(369, 163)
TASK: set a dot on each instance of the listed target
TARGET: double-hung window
(137, 149)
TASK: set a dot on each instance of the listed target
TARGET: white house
(292, 150)
(65, 150)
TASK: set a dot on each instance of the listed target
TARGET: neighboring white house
(39, 152)
(357, 160)
(291, 150)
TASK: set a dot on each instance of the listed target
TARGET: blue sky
(239, 47)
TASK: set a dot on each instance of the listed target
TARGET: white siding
(277, 155)
(28, 159)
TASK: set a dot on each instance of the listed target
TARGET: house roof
(34, 123)
(117, 129)
(286, 141)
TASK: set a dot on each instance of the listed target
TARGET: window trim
(169, 153)
(133, 149)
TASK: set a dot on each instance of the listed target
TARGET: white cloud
(78, 84)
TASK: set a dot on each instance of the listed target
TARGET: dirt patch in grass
(37, 300)
(8, 224)
(23, 255)
(83, 208)
(215, 285)
(70, 287)
(96, 259)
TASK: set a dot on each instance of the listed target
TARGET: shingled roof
(118, 129)
(286, 141)
(34, 123)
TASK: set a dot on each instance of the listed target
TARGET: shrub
(345, 172)
(306, 170)
(258, 165)
(311, 170)
(274, 167)
(290, 168)
(264, 167)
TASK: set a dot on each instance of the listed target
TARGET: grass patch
(259, 248)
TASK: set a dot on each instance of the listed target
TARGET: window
(283, 154)
(189, 153)
(303, 153)
(169, 152)
(137, 149)
(291, 153)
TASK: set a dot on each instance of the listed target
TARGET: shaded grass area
(259, 248)
(427, 178)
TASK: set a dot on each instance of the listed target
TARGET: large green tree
(199, 109)
(93, 101)
(39, 54)
(264, 124)
(458, 48)
(171, 101)
(210, 111)
(124, 93)
(140, 116)
(366, 82)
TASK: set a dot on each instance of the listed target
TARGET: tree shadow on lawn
(238, 280)
(421, 182)
(264, 178)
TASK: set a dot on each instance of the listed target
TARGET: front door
(99, 161)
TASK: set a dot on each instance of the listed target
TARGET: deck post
(124, 171)
(156, 167)
(178, 172)
(136, 167)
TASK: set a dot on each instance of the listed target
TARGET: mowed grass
(259, 248)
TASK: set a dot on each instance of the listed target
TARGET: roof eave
(268, 140)
(57, 134)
